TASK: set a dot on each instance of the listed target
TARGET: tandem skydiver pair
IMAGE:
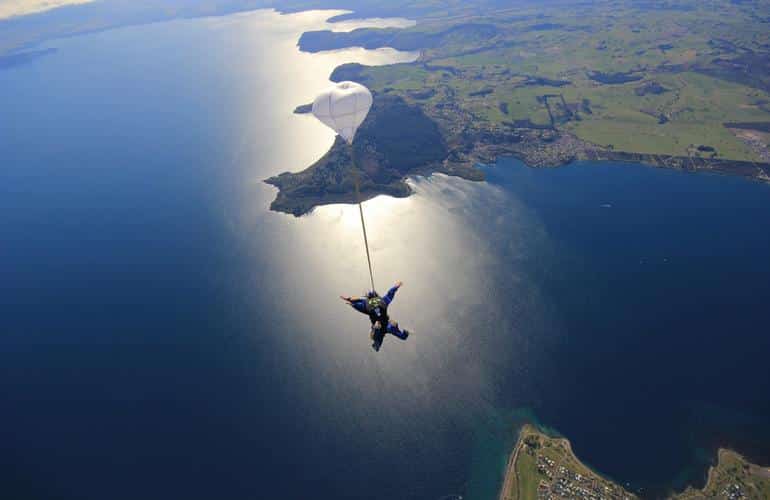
(376, 308)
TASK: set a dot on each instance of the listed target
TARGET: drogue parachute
(343, 108)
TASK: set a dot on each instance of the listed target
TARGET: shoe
(406, 334)
(376, 346)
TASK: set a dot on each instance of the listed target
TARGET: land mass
(681, 85)
(542, 466)
(60, 18)
(384, 157)
(733, 477)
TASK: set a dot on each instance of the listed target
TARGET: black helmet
(372, 294)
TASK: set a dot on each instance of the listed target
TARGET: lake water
(165, 335)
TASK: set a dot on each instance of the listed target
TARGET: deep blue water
(165, 335)
(659, 280)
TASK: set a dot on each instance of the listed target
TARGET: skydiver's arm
(357, 303)
(388, 298)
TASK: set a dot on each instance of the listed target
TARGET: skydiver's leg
(377, 334)
(394, 330)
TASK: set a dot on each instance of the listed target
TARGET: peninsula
(385, 156)
(682, 85)
(542, 466)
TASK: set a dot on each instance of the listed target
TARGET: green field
(657, 80)
(732, 476)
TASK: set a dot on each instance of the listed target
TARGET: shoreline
(551, 462)
(472, 83)
(508, 476)
(468, 140)
(106, 19)
(286, 202)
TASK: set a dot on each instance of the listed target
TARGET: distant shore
(542, 466)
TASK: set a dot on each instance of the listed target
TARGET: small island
(542, 466)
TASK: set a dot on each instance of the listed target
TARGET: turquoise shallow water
(165, 335)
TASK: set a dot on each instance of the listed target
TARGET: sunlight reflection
(380, 209)
(429, 240)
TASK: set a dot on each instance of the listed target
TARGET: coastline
(732, 476)
(24, 32)
(536, 146)
(529, 146)
(510, 474)
(544, 466)
(468, 138)
(559, 473)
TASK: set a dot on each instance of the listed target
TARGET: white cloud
(12, 8)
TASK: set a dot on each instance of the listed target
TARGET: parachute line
(361, 213)
(343, 108)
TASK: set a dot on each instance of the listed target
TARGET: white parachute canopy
(343, 108)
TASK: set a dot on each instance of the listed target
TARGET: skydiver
(376, 308)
